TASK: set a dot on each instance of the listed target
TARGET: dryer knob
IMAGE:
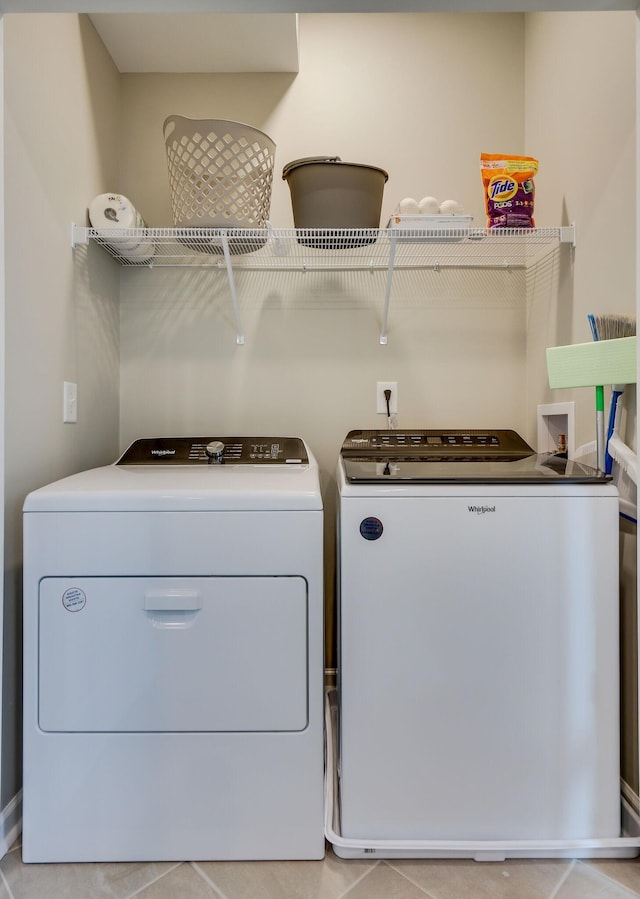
(214, 450)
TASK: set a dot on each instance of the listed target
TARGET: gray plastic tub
(327, 193)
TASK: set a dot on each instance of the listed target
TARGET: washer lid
(534, 469)
(454, 456)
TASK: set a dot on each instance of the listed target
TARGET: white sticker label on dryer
(74, 599)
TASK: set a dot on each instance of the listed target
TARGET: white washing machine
(478, 647)
(173, 656)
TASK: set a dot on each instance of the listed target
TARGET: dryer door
(173, 654)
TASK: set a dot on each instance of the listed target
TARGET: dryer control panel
(215, 451)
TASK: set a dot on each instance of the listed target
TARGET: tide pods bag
(508, 190)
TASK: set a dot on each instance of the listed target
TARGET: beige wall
(412, 93)
(580, 119)
(430, 92)
(61, 147)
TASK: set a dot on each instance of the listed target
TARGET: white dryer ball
(451, 207)
(429, 206)
(409, 206)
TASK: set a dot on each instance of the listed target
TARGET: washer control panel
(455, 457)
(215, 451)
(425, 445)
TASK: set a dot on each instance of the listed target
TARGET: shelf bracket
(232, 288)
(387, 292)
(79, 236)
(568, 235)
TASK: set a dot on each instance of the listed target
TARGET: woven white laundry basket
(220, 173)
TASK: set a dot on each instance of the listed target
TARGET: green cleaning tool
(608, 326)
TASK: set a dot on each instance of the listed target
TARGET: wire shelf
(326, 250)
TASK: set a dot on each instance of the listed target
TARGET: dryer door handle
(172, 600)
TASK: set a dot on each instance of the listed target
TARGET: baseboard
(10, 823)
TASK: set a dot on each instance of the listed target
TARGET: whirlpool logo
(481, 510)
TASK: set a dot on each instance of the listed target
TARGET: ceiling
(245, 35)
(196, 42)
(300, 6)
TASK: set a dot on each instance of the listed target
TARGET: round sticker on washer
(371, 528)
(74, 599)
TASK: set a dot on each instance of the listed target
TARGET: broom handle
(600, 446)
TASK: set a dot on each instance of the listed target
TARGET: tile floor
(333, 878)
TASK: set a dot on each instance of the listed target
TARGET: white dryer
(478, 648)
(173, 656)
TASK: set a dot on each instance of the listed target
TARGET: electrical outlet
(381, 400)
(69, 402)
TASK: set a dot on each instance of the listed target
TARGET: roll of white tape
(114, 211)
(110, 212)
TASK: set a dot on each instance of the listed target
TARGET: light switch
(70, 402)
